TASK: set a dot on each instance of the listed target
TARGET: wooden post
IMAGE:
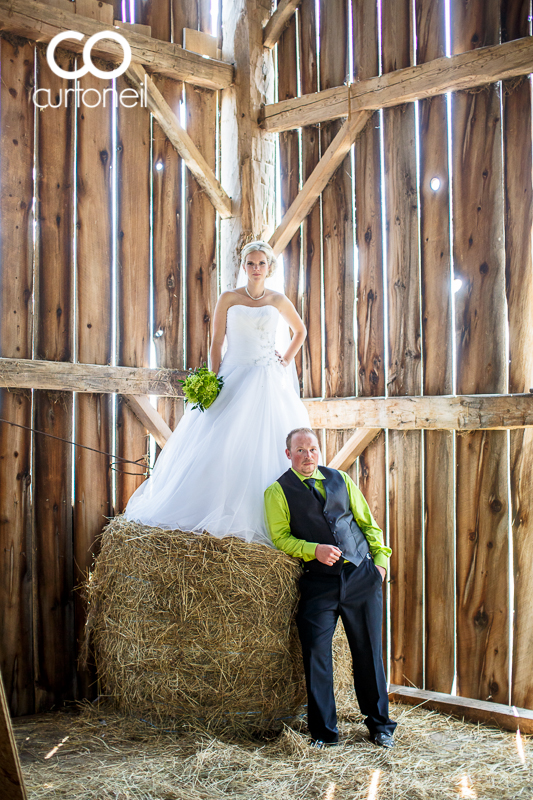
(311, 229)
(482, 543)
(518, 267)
(370, 289)
(337, 230)
(436, 288)
(290, 165)
(200, 237)
(16, 289)
(52, 464)
(247, 153)
(405, 450)
(133, 273)
(167, 255)
(92, 412)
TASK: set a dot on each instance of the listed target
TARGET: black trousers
(356, 596)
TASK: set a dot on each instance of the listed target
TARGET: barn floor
(100, 755)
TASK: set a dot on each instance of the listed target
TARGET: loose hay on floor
(105, 756)
(191, 628)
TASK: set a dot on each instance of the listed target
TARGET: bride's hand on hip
(282, 361)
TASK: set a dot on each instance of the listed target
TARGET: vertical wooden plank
(482, 543)
(133, 277)
(94, 257)
(290, 165)
(16, 289)
(404, 378)
(370, 288)
(52, 478)
(201, 230)
(337, 230)
(201, 268)
(155, 13)
(519, 278)
(167, 252)
(436, 287)
(311, 229)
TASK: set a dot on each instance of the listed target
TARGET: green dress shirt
(279, 521)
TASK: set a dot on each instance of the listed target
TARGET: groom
(320, 516)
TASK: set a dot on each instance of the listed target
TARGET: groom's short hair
(288, 440)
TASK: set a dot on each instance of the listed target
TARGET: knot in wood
(481, 620)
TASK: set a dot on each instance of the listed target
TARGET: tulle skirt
(213, 471)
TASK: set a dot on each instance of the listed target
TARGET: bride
(216, 465)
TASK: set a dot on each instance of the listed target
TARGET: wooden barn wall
(108, 255)
(387, 317)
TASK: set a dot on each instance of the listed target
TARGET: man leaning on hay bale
(320, 516)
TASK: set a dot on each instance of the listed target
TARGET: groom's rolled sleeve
(363, 516)
(279, 524)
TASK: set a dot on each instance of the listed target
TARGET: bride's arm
(299, 332)
(219, 330)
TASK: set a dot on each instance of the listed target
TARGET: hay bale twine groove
(189, 628)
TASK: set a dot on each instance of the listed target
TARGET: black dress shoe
(382, 739)
(320, 745)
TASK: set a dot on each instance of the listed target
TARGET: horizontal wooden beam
(149, 417)
(64, 376)
(278, 21)
(465, 413)
(181, 140)
(353, 448)
(317, 181)
(40, 23)
(465, 708)
(464, 71)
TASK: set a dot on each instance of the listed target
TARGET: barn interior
(384, 149)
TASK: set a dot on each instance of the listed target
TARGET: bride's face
(256, 266)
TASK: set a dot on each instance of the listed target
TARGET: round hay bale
(196, 629)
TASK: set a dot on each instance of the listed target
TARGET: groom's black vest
(332, 524)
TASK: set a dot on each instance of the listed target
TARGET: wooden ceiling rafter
(468, 70)
(39, 22)
(278, 22)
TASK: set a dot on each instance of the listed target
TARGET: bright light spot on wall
(457, 284)
(159, 166)
(435, 184)
(158, 334)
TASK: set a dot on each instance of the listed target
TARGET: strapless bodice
(251, 335)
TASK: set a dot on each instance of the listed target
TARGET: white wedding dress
(213, 471)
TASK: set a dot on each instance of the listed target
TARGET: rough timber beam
(23, 373)
(40, 23)
(181, 140)
(149, 417)
(324, 170)
(464, 71)
(464, 413)
(247, 153)
(353, 448)
(482, 711)
(277, 22)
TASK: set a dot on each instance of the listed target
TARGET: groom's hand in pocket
(327, 554)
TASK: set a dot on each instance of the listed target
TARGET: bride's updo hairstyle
(265, 248)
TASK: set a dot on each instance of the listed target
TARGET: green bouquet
(202, 387)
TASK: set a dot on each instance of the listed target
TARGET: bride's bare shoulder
(278, 299)
(229, 298)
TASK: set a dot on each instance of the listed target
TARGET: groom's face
(304, 453)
